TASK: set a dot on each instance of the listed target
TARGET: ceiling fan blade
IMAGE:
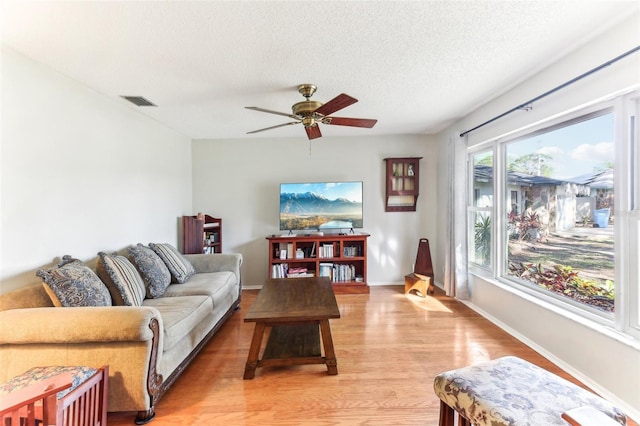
(313, 132)
(273, 127)
(354, 122)
(336, 104)
(273, 112)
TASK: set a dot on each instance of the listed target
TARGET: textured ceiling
(416, 66)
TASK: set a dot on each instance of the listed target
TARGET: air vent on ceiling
(139, 101)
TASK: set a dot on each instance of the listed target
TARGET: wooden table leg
(447, 415)
(254, 351)
(329, 353)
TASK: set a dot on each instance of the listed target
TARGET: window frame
(626, 108)
(629, 320)
(473, 209)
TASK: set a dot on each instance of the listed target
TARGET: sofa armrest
(77, 325)
(127, 339)
(216, 262)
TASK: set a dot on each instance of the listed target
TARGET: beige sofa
(146, 347)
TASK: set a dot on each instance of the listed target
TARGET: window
(561, 238)
(566, 226)
(632, 241)
(480, 210)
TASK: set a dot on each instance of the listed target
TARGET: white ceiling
(416, 66)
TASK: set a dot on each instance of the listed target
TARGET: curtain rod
(527, 105)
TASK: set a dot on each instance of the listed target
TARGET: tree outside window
(561, 211)
(481, 209)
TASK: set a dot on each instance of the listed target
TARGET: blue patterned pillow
(181, 269)
(72, 283)
(122, 279)
(153, 270)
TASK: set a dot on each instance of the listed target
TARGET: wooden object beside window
(402, 184)
(201, 235)
(422, 278)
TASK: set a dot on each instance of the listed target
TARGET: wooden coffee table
(296, 312)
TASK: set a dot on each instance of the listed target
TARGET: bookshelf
(342, 258)
(201, 235)
(403, 177)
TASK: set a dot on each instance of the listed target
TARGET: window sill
(595, 322)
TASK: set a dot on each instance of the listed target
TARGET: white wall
(239, 181)
(80, 173)
(608, 363)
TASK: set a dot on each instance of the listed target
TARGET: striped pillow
(181, 269)
(121, 278)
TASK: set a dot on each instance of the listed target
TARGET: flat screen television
(320, 206)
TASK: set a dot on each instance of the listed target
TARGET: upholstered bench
(82, 399)
(509, 391)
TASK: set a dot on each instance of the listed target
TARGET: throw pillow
(72, 283)
(122, 279)
(181, 269)
(154, 272)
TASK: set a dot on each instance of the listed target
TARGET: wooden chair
(421, 280)
(38, 402)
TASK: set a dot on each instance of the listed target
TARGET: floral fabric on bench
(36, 374)
(509, 391)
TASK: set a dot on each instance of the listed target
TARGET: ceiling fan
(311, 113)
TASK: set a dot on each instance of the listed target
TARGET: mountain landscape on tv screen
(313, 211)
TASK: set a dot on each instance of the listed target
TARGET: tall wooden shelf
(341, 257)
(402, 184)
(201, 235)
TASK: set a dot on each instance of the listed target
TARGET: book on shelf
(299, 272)
(325, 250)
(279, 270)
(211, 237)
(309, 251)
(282, 270)
(350, 251)
(337, 272)
(289, 250)
(343, 272)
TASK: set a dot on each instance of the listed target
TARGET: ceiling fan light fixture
(309, 121)
(305, 108)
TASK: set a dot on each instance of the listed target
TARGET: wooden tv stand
(341, 257)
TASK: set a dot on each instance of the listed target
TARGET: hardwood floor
(389, 349)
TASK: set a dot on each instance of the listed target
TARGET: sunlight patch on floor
(428, 303)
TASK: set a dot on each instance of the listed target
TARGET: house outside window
(562, 242)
